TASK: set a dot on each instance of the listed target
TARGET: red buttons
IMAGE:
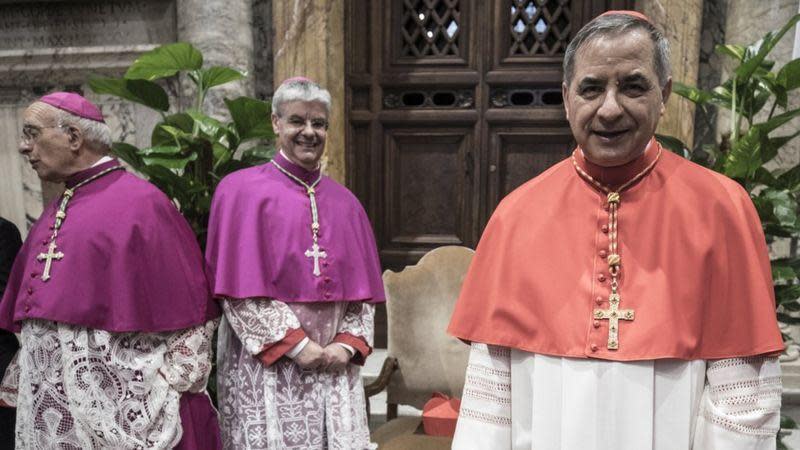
(602, 253)
(33, 274)
(606, 207)
(598, 300)
(604, 228)
(596, 324)
(324, 263)
(45, 242)
(327, 295)
(30, 290)
(593, 347)
(27, 308)
(327, 279)
(601, 278)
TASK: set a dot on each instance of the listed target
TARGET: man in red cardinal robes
(622, 300)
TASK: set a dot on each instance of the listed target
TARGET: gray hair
(300, 90)
(613, 25)
(97, 135)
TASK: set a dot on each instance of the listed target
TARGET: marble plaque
(32, 25)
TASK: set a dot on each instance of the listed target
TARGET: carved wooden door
(451, 105)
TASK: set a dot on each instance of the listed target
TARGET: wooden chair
(421, 357)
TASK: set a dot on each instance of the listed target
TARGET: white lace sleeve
(485, 417)
(187, 362)
(259, 322)
(10, 383)
(359, 321)
(741, 405)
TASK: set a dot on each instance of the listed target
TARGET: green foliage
(190, 151)
(757, 97)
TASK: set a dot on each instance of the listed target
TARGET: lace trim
(359, 320)
(86, 388)
(486, 396)
(735, 362)
(499, 352)
(482, 370)
(479, 416)
(740, 428)
(748, 399)
(259, 322)
(770, 382)
(487, 384)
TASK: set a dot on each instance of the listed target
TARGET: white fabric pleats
(558, 403)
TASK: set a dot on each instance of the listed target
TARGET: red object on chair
(440, 414)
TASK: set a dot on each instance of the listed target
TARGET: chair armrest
(390, 365)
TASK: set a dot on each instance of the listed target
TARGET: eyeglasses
(299, 122)
(31, 133)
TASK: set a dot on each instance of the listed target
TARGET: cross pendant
(315, 253)
(614, 315)
(48, 258)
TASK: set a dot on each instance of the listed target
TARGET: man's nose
(308, 130)
(610, 109)
(24, 147)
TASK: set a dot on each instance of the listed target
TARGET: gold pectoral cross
(315, 253)
(614, 315)
(48, 258)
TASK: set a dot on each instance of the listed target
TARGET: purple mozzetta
(260, 229)
(131, 262)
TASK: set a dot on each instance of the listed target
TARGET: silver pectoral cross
(315, 253)
(48, 258)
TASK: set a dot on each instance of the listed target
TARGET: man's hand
(337, 357)
(311, 357)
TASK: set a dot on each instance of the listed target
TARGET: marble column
(222, 31)
(309, 41)
(680, 22)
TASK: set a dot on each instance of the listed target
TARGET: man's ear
(565, 97)
(275, 123)
(75, 137)
(665, 93)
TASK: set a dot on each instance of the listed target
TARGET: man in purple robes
(296, 270)
(111, 301)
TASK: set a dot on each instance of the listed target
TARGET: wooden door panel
(428, 190)
(522, 154)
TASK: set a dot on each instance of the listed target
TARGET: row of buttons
(601, 277)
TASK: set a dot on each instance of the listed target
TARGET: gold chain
(311, 196)
(61, 215)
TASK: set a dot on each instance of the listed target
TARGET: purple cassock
(260, 229)
(131, 264)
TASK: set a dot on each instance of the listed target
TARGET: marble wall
(60, 44)
(46, 46)
(679, 21)
(309, 36)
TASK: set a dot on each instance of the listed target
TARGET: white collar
(102, 160)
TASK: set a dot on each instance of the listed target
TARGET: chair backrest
(420, 301)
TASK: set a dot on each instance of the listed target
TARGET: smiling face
(302, 128)
(50, 148)
(614, 100)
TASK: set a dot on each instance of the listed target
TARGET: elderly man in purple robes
(110, 298)
(297, 272)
